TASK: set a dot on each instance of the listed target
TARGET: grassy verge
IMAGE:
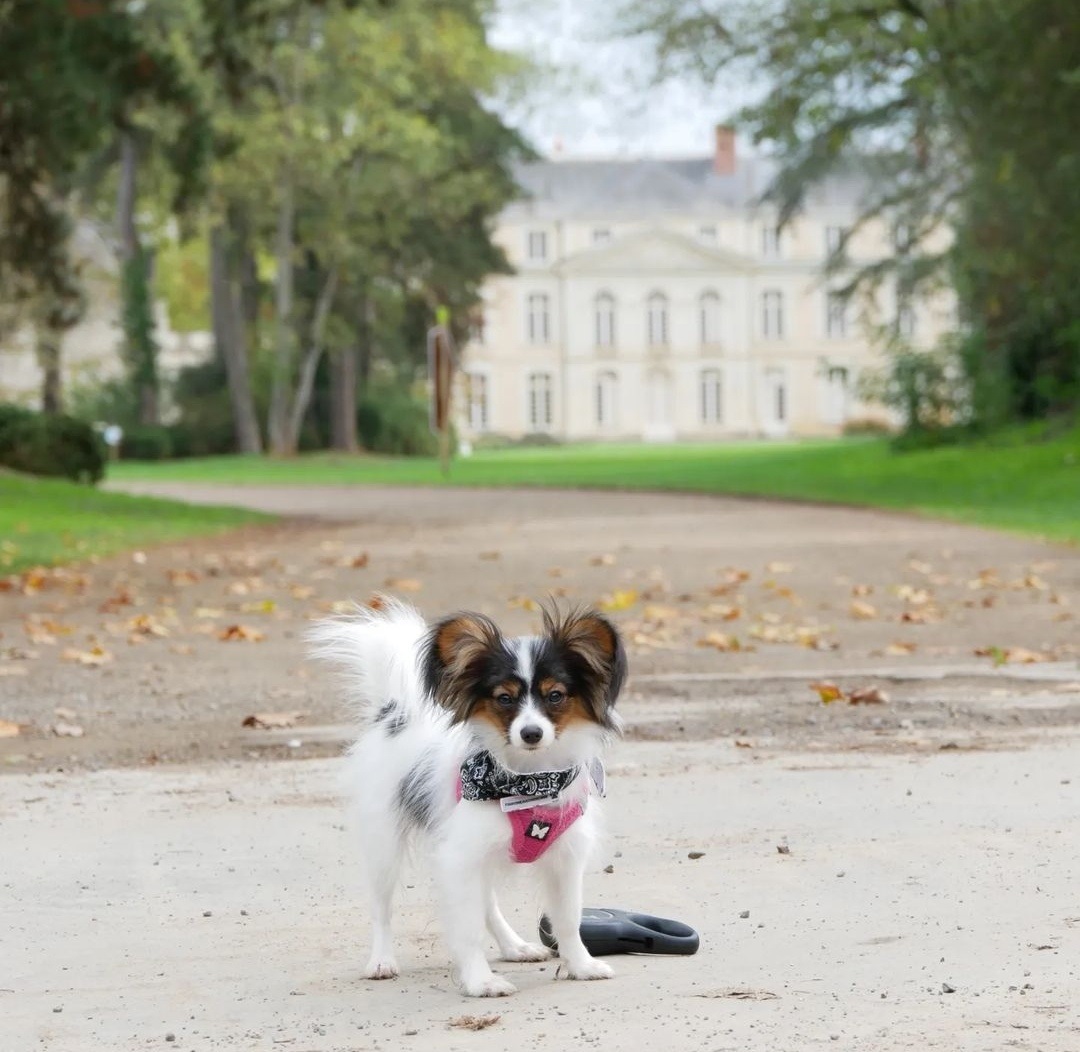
(43, 522)
(1012, 483)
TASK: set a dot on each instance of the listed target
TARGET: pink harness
(534, 829)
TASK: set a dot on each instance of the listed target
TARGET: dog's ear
(456, 653)
(594, 648)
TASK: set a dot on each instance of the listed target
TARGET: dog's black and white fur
(429, 697)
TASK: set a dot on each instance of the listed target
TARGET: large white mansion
(656, 299)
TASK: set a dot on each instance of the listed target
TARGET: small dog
(491, 746)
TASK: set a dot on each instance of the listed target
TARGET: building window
(658, 320)
(834, 238)
(776, 388)
(712, 406)
(540, 414)
(477, 393)
(836, 310)
(601, 235)
(770, 241)
(836, 394)
(606, 394)
(604, 312)
(538, 318)
(537, 246)
(772, 314)
(905, 321)
(707, 233)
(709, 311)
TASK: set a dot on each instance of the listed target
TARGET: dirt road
(927, 897)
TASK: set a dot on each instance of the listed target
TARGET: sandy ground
(161, 876)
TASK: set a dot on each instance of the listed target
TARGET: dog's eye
(556, 697)
(504, 699)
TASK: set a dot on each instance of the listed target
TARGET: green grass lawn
(1012, 483)
(44, 521)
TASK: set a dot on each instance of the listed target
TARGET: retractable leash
(608, 931)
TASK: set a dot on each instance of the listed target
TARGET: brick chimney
(724, 154)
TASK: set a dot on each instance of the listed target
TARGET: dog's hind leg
(381, 852)
(512, 947)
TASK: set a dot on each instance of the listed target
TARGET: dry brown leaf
(828, 692)
(607, 559)
(181, 578)
(556, 571)
(776, 567)
(357, 562)
(9, 729)
(96, 655)
(523, 602)
(721, 641)
(273, 720)
(1012, 655)
(919, 617)
(475, 1022)
(38, 633)
(868, 696)
(740, 744)
(859, 590)
(900, 649)
(301, 591)
(241, 634)
(146, 625)
(65, 714)
(863, 611)
(490, 556)
(620, 599)
(67, 730)
(403, 584)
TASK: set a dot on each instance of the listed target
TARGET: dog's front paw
(526, 951)
(490, 986)
(589, 968)
(381, 969)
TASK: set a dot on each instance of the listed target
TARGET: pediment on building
(654, 251)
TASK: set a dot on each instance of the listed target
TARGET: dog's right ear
(457, 652)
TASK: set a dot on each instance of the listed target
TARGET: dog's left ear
(596, 649)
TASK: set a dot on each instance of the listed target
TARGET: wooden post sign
(441, 374)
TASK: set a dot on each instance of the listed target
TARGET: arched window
(538, 319)
(709, 317)
(604, 316)
(712, 397)
(657, 320)
(772, 314)
(607, 391)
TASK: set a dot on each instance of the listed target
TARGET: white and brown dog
(491, 746)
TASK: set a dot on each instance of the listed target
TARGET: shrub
(866, 426)
(205, 427)
(147, 442)
(394, 422)
(58, 446)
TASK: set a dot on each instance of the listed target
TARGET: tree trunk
(278, 425)
(141, 348)
(343, 400)
(48, 356)
(230, 343)
(302, 397)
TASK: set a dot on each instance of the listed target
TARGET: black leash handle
(610, 931)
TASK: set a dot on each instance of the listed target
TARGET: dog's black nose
(531, 734)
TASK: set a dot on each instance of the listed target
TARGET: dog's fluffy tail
(377, 652)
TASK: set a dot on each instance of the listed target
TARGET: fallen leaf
(146, 625)
(490, 556)
(900, 649)
(523, 602)
(9, 729)
(67, 730)
(828, 692)
(181, 578)
(65, 714)
(779, 567)
(403, 584)
(301, 591)
(1012, 655)
(241, 634)
(555, 571)
(94, 656)
(721, 641)
(182, 648)
(868, 696)
(358, 562)
(740, 994)
(620, 599)
(122, 597)
(859, 590)
(264, 606)
(602, 560)
(273, 720)
(920, 617)
(739, 744)
(862, 611)
(209, 612)
(475, 1022)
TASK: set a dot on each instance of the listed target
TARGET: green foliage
(54, 445)
(205, 424)
(394, 422)
(140, 345)
(147, 442)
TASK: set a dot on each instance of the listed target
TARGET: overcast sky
(598, 102)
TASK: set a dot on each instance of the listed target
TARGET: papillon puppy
(490, 747)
